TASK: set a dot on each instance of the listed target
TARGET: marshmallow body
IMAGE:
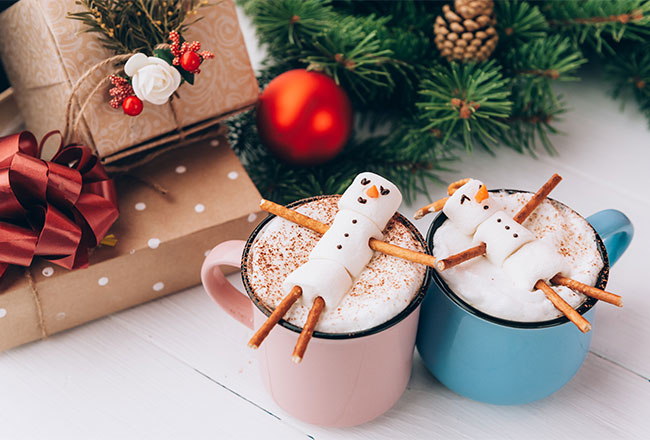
(377, 205)
(346, 241)
(503, 237)
(465, 212)
(325, 278)
(534, 261)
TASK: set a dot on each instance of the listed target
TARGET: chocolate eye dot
(354, 221)
(338, 246)
(486, 207)
(507, 227)
(346, 235)
(515, 235)
(498, 220)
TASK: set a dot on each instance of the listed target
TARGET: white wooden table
(179, 367)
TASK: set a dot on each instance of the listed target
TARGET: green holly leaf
(187, 76)
(164, 54)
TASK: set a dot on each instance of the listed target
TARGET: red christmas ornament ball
(304, 117)
(190, 61)
(132, 106)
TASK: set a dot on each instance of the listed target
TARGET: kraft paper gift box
(45, 52)
(161, 243)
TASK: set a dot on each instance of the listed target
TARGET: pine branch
(600, 24)
(289, 24)
(136, 26)
(466, 101)
(629, 70)
(517, 23)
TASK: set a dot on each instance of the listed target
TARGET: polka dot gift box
(209, 199)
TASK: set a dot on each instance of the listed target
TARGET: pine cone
(466, 34)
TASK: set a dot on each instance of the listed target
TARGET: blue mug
(504, 362)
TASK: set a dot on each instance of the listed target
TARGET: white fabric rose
(153, 79)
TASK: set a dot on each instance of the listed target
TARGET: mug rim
(410, 308)
(601, 281)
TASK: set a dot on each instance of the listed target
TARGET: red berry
(132, 106)
(190, 61)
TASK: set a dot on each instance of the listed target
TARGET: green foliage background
(383, 54)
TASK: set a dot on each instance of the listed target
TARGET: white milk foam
(383, 290)
(485, 285)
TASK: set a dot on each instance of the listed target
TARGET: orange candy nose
(482, 194)
(372, 192)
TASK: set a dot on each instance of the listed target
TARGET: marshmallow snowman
(502, 236)
(343, 251)
(468, 207)
(533, 262)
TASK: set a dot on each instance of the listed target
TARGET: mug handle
(236, 303)
(615, 229)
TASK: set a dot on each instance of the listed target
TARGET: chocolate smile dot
(346, 235)
(498, 220)
(354, 221)
(507, 227)
(338, 246)
(515, 235)
(486, 207)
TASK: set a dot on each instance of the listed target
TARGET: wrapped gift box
(45, 52)
(161, 243)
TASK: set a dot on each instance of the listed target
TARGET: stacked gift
(173, 205)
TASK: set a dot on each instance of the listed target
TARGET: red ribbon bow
(56, 209)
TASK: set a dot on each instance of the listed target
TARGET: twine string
(37, 301)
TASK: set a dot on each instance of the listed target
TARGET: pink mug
(345, 379)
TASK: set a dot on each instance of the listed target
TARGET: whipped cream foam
(485, 286)
(385, 288)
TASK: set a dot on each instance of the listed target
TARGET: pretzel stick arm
(456, 259)
(431, 207)
(403, 253)
(321, 228)
(275, 317)
(564, 307)
(308, 330)
(293, 216)
(537, 198)
(585, 289)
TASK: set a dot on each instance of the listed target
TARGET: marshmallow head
(533, 262)
(325, 278)
(467, 207)
(373, 197)
(503, 236)
(346, 241)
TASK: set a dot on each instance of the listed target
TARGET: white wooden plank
(101, 381)
(602, 399)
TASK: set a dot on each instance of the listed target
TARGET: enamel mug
(506, 362)
(344, 379)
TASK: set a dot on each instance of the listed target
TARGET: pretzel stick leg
(456, 259)
(537, 199)
(431, 207)
(564, 307)
(308, 330)
(321, 228)
(593, 292)
(275, 317)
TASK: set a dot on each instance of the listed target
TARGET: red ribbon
(56, 209)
